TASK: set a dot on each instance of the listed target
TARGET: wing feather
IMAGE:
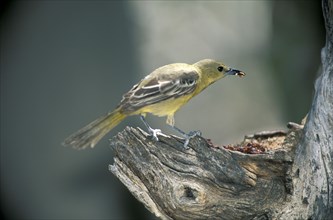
(156, 90)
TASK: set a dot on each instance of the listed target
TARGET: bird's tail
(89, 135)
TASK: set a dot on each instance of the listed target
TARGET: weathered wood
(204, 181)
(312, 171)
(292, 179)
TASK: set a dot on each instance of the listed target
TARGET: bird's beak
(235, 72)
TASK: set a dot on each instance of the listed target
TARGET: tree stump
(270, 175)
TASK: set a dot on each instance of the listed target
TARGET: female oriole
(160, 93)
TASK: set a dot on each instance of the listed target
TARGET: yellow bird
(161, 93)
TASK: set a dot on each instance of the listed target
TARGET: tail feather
(89, 135)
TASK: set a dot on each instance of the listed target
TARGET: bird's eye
(220, 68)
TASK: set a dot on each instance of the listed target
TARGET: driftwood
(270, 175)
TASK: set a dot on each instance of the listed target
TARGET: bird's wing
(158, 88)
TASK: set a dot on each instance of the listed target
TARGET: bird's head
(213, 70)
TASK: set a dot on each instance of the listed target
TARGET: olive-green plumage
(160, 93)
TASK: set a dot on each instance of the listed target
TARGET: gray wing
(159, 89)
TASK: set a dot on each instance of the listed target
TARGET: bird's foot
(154, 132)
(190, 135)
(187, 136)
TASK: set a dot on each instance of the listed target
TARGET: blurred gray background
(64, 63)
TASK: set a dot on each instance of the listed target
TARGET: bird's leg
(152, 132)
(187, 136)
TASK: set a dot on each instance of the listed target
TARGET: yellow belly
(164, 108)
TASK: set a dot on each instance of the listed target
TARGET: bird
(161, 93)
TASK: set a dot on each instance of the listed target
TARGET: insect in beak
(235, 72)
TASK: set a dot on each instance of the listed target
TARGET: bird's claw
(190, 135)
(154, 133)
